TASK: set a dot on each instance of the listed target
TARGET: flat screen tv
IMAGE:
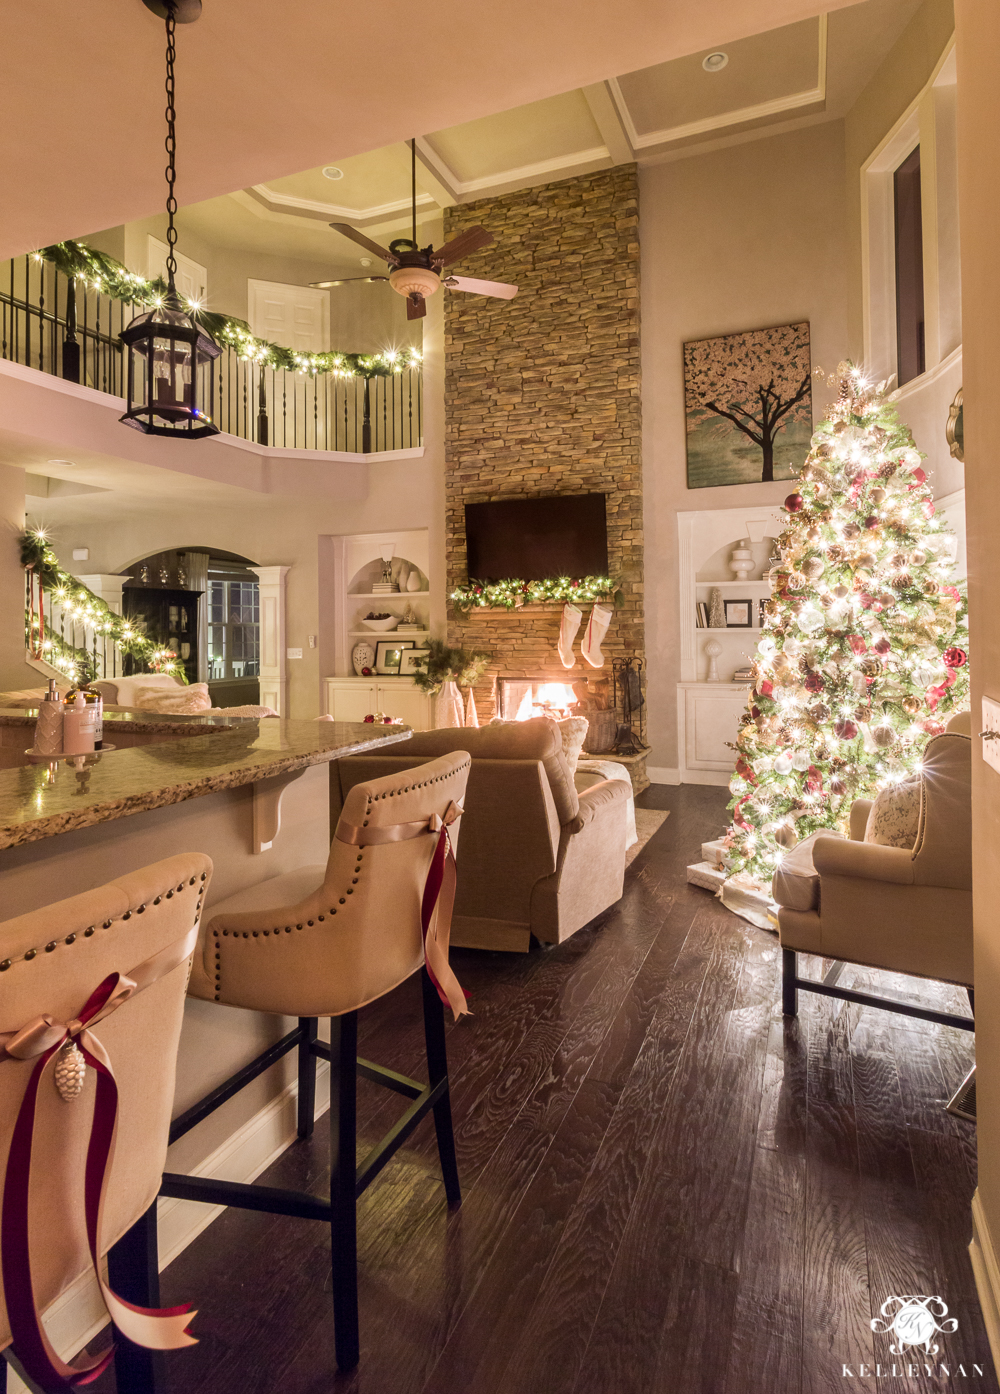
(534, 539)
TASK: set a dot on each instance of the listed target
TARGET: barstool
(91, 1003)
(322, 943)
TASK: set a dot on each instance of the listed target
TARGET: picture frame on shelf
(410, 659)
(739, 614)
(761, 612)
(389, 655)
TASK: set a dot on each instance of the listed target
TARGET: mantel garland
(47, 577)
(512, 593)
(104, 274)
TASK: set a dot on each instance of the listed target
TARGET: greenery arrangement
(85, 608)
(442, 664)
(512, 594)
(864, 650)
(104, 274)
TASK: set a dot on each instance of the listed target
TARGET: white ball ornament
(810, 618)
(793, 647)
(782, 763)
(767, 648)
(800, 761)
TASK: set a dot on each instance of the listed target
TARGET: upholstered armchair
(904, 909)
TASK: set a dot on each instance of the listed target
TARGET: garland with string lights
(82, 606)
(864, 649)
(104, 274)
(511, 594)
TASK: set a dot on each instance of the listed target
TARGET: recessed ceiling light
(70, 463)
(332, 172)
(714, 63)
(366, 261)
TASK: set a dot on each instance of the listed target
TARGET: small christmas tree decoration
(864, 654)
(70, 1071)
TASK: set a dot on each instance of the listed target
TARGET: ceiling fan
(416, 271)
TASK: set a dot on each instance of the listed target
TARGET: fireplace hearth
(614, 705)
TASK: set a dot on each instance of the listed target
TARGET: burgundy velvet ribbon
(438, 898)
(158, 1328)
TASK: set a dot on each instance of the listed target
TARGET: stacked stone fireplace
(542, 397)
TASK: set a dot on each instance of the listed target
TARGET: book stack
(743, 675)
(702, 613)
(385, 588)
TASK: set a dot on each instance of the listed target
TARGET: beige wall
(746, 237)
(899, 78)
(978, 29)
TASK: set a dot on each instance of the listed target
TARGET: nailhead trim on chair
(266, 933)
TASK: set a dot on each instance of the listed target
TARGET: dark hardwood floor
(667, 1186)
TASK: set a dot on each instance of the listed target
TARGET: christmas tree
(864, 648)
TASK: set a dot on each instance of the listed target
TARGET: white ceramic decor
(363, 657)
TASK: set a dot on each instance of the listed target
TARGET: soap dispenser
(79, 725)
(49, 726)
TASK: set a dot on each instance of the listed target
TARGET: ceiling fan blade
(416, 311)
(500, 289)
(462, 246)
(344, 281)
(363, 241)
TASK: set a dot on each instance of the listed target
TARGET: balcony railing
(60, 325)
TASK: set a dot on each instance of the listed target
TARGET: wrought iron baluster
(71, 346)
(284, 407)
(315, 417)
(409, 391)
(27, 312)
(420, 409)
(41, 318)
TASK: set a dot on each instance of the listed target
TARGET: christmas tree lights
(864, 650)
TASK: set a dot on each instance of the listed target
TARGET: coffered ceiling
(800, 73)
(265, 90)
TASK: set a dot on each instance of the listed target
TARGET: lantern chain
(171, 148)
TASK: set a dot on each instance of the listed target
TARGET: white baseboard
(987, 1275)
(78, 1314)
(663, 774)
(719, 777)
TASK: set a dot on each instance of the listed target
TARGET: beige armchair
(907, 910)
(538, 857)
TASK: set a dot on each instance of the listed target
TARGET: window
(233, 627)
(910, 354)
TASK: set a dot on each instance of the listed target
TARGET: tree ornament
(851, 531)
(930, 587)
(845, 730)
(820, 713)
(911, 705)
(837, 786)
(783, 763)
(954, 658)
(794, 503)
(884, 736)
(813, 568)
(70, 1071)
(918, 557)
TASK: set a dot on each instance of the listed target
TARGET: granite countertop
(41, 800)
(25, 713)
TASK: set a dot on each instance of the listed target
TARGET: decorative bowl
(382, 626)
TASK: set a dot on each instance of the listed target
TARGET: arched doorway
(204, 604)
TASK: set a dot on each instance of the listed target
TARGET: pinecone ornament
(70, 1070)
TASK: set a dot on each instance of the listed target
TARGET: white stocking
(600, 618)
(568, 625)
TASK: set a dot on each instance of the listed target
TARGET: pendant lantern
(170, 385)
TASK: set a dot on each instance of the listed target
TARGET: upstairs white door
(191, 279)
(297, 317)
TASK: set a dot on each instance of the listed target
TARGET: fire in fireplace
(522, 698)
(614, 705)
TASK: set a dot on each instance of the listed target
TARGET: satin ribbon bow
(438, 899)
(40, 1039)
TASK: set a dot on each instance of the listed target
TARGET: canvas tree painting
(748, 405)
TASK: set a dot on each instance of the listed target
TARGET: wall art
(748, 406)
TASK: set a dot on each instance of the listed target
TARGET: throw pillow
(178, 701)
(895, 815)
(573, 731)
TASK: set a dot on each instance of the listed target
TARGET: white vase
(363, 656)
(741, 562)
(413, 581)
(448, 706)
